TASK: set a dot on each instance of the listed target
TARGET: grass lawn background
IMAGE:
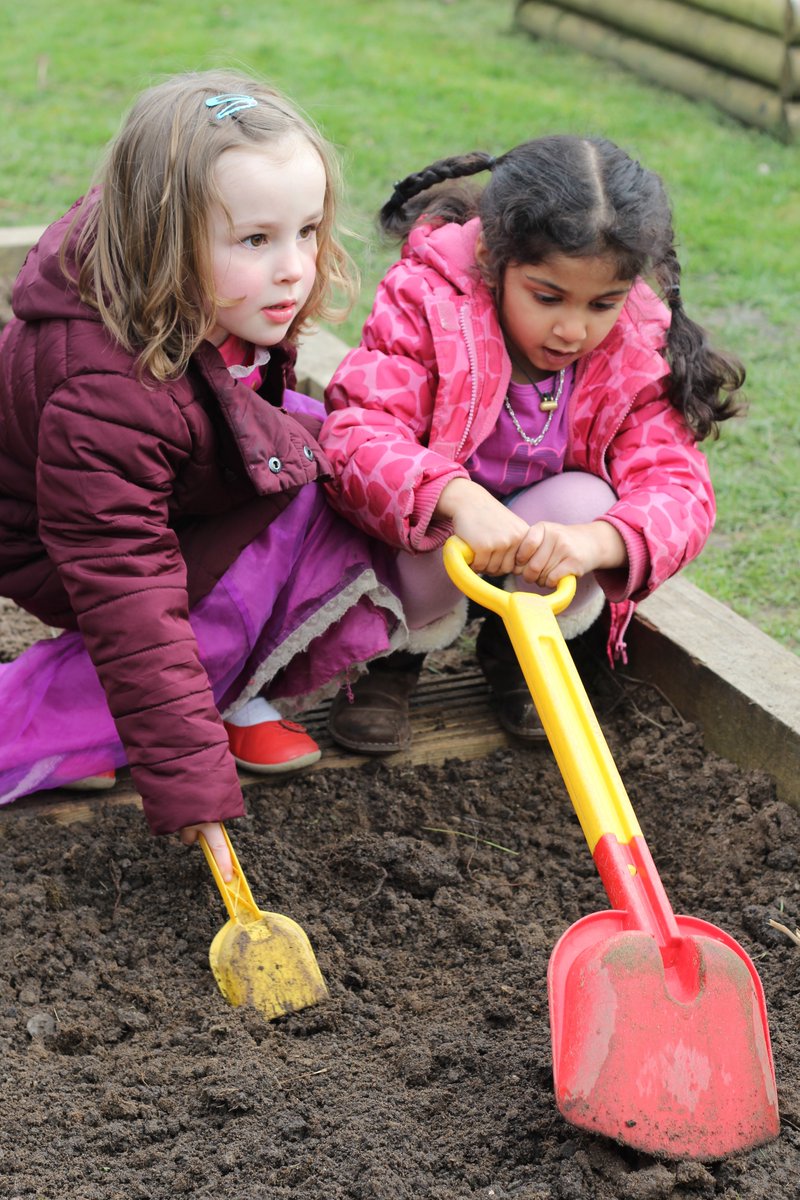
(399, 83)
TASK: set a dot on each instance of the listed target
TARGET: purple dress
(304, 605)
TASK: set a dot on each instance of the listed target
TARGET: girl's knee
(426, 591)
(571, 498)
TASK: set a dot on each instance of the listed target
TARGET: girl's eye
(308, 231)
(604, 305)
(255, 241)
(546, 298)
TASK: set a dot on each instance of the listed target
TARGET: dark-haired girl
(520, 384)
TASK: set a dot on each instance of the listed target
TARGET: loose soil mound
(433, 897)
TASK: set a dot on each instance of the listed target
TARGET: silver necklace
(548, 402)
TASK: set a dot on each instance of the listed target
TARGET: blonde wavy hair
(144, 251)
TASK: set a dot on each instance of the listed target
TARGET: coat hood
(450, 250)
(42, 291)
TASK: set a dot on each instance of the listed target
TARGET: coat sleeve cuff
(621, 583)
(426, 531)
(173, 798)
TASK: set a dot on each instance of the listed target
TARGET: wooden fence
(741, 55)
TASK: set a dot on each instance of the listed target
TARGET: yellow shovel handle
(457, 557)
(236, 894)
(581, 751)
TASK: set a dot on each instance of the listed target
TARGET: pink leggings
(570, 498)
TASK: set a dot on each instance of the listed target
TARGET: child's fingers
(219, 848)
(492, 558)
(551, 557)
(500, 562)
(215, 839)
(493, 534)
(531, 547)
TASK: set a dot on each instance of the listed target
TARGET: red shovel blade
(674, 1061)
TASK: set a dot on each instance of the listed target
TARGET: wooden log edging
(738, 684)
(751, 74)
(740, 49)
(15, 242)
(776, 16)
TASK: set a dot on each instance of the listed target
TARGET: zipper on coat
(613, 434)
(581, 370)
(473, 375)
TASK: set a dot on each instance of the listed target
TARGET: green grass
(399, 83)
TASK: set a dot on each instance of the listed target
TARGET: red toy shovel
(658, 1022)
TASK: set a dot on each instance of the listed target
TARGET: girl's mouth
(558, 358)
(280, 313)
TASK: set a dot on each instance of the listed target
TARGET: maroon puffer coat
(121, 502)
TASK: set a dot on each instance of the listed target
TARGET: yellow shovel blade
(267, 964)
(262, 959)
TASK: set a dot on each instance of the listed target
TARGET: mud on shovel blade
(658, 1022)
(261, 959)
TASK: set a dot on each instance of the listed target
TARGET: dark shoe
(372, 715)
(513, 703)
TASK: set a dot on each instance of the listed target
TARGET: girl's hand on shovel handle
(550, 551)
(215, 838)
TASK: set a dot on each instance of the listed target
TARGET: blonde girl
(159, 497)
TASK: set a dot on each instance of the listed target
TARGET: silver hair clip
(232, 104)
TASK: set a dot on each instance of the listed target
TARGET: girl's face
(555, 311)
(265, 260)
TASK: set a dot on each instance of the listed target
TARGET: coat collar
(278, 375)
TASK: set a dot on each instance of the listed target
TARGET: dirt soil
(433, 898)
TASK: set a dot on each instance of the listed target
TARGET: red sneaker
(100, 782)
(272, 747)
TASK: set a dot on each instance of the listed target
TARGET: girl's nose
(289, 267)
(571, 329)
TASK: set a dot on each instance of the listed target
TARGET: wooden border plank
(741, 686)
(752, 103)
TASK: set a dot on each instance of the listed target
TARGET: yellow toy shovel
(261, 959)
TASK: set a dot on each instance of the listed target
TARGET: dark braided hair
(581, 197)
(413, 195)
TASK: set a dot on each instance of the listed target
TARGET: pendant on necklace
(548, 401)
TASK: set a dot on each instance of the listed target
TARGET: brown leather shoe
(513, 703)
(376, 719)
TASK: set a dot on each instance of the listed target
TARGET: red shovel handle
(633, 886)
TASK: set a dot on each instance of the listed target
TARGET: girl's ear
(481, 254)
(483, 264)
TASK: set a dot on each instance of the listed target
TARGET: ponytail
(703, 382)
(411, 198)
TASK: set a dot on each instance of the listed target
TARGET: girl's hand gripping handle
(236, 894)
(457, 558)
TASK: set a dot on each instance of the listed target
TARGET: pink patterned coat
(413, 401)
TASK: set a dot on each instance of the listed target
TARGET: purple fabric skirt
(307, 602)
